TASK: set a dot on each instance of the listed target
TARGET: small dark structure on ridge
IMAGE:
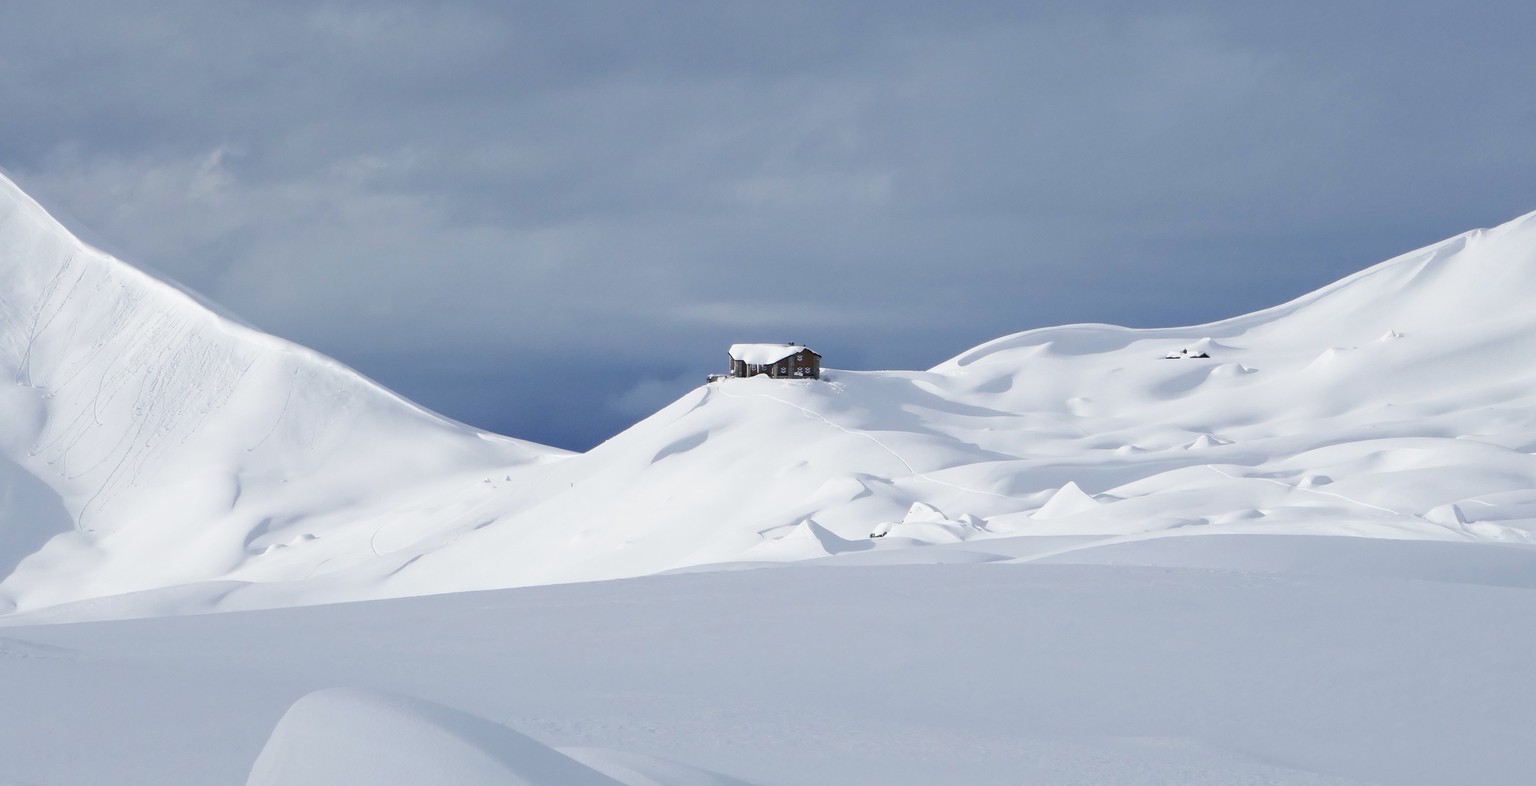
(780, 361)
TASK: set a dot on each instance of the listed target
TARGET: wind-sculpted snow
(188, 450)
(342, 737)
(354, 737)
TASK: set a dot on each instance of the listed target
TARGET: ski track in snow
(1291, 487)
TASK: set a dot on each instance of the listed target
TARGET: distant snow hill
(153, 450)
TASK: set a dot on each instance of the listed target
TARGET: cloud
(773, 311)
(417, 187)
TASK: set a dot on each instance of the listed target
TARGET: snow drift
(159, 447)
(348, 736)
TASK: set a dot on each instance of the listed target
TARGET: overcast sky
(548, 219)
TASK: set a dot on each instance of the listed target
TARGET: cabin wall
(802, 365)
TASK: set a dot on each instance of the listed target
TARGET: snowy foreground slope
(150, 446)
(1322, 661)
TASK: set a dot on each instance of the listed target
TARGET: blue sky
(550, 219)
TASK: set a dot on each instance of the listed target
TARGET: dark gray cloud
(549, 218)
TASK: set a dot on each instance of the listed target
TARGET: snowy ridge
(168, 429)
(1395, 403)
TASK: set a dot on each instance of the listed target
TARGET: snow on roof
(763, 354)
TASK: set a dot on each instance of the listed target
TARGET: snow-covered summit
(188, 450)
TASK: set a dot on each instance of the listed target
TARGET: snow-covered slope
(1396, 403)
(158, 443)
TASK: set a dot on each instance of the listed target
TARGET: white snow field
(1371, 661)
(1083, 554)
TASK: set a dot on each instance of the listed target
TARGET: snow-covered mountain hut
(780, 361)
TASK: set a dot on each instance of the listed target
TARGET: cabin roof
(764, 354)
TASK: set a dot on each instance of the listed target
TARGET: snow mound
(1448, 515)
(1069, 500)
(1230, 370)
(352, 737)
(1205, 441)
(803, 540)
(925, 523)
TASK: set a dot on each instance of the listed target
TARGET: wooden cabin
(780, 361)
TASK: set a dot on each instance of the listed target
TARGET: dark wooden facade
(804, 364)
